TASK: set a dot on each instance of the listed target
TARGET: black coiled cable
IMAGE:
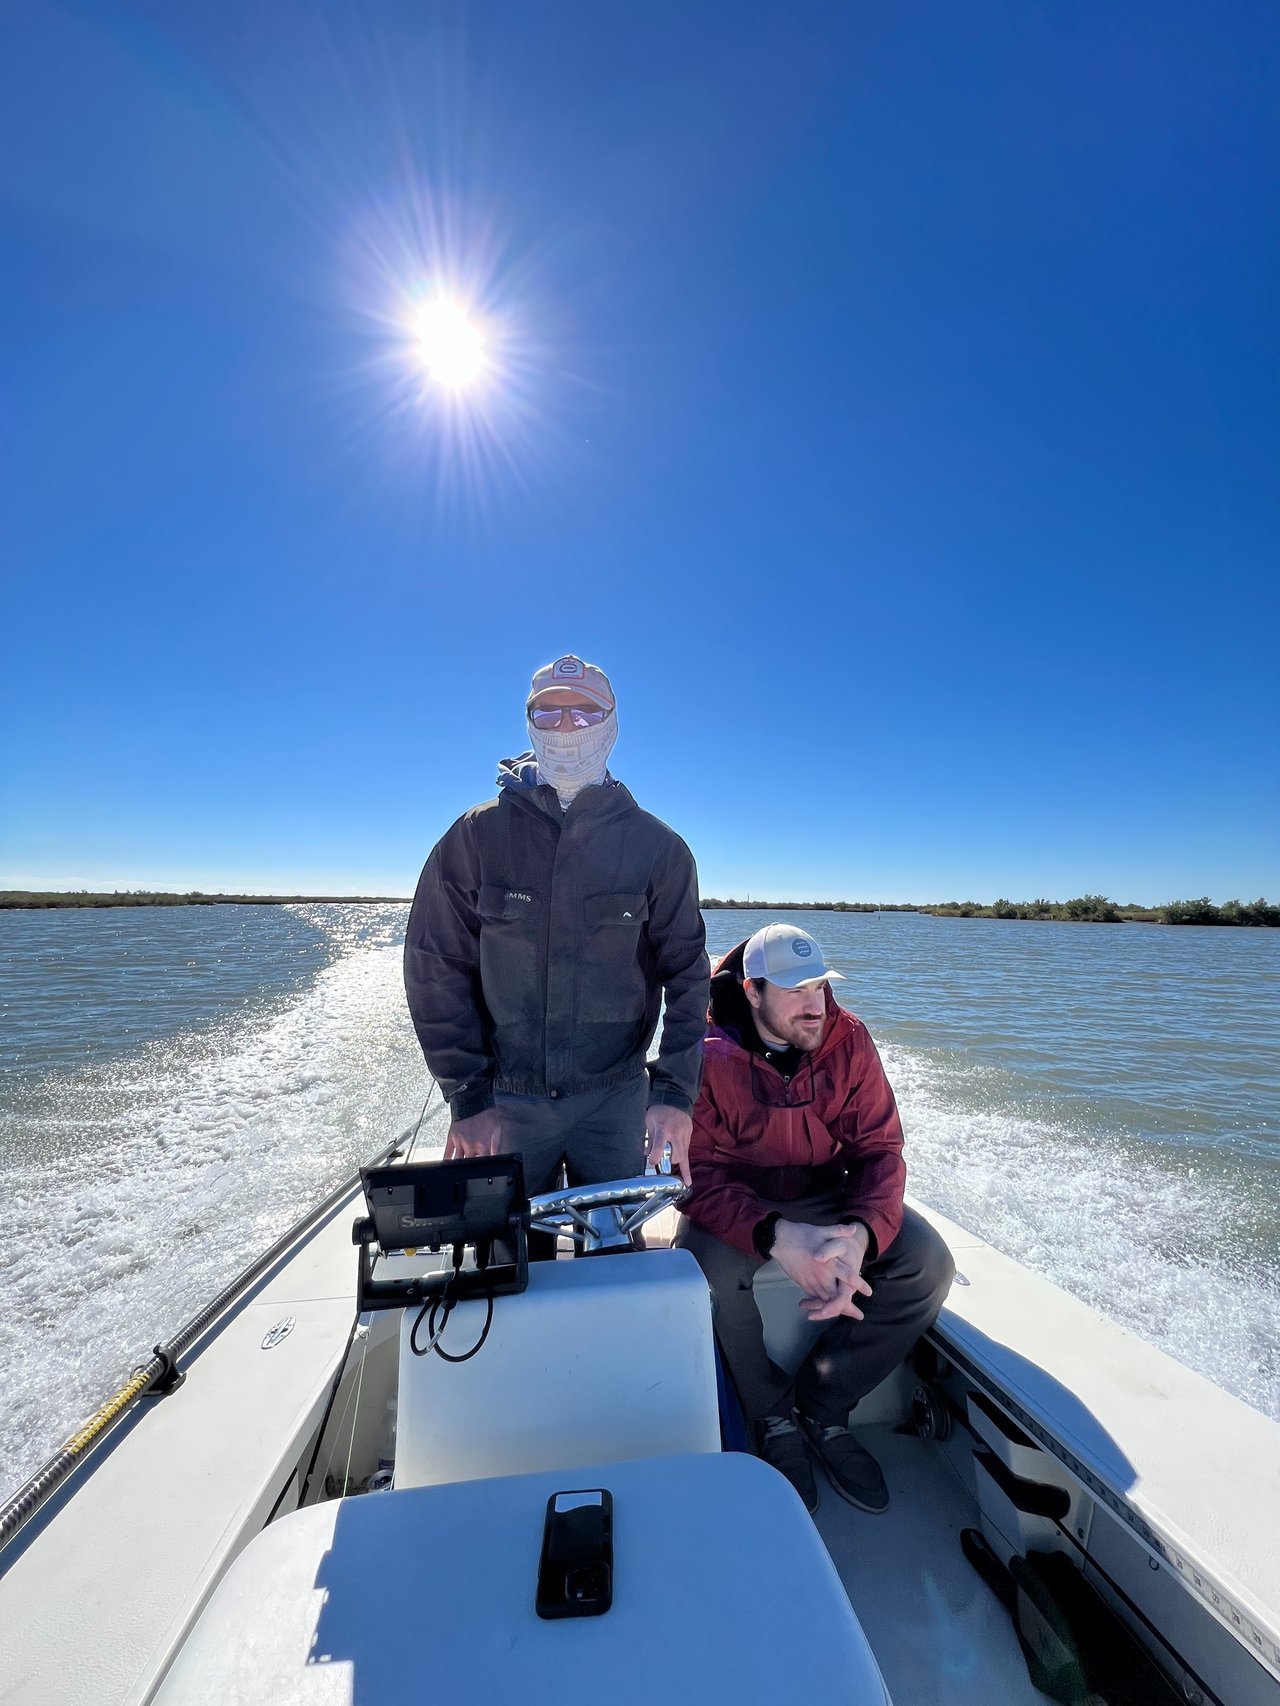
(444, 1305)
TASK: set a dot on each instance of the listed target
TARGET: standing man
(797, 1155)
(548, 926)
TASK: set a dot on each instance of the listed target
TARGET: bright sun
(451, 345)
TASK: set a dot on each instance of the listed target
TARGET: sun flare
(451, 344)
(453, 370)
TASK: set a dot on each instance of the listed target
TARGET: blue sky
(888, 396)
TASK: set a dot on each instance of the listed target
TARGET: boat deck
(937, 1631)
(1183, 1479)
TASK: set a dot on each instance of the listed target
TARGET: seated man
(796, 1154)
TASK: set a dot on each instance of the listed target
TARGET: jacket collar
(608, 799)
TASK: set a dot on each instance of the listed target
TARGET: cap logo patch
(801, 947)
(568, 667)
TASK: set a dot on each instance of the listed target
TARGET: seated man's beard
(788, 1029)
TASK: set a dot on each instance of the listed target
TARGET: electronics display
(475, 1203)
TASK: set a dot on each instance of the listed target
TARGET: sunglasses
(548, 716)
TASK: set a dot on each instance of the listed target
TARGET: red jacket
(750, 1149)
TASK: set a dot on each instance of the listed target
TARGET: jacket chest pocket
(613, 982)
(499, 905)
(511, 928)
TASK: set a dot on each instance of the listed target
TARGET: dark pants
(850, 1358)
(596, 1136)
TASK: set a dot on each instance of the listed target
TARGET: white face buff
(574, 759)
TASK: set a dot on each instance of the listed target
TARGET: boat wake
(1172, 1243)
(149, 1182)
(140, 1186)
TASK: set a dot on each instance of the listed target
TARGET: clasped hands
(826, 1263)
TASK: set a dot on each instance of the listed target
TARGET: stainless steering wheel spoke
(604, 1216)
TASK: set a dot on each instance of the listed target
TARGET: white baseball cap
(785, 955)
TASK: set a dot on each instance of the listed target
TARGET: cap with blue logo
(785, 955)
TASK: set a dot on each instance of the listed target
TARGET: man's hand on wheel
(665, 1125)
(480, 1135)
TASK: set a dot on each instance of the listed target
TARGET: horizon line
(8, 895)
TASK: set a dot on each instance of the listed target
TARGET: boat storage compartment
(1075, 1645)
(722, 1591)
(1023, 1493)
(1016, 1450)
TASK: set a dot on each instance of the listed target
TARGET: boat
(395, 1461)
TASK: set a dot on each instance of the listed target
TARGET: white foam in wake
(1149, 1237)
(178, 1165)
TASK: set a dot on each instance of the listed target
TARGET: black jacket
(541, 943)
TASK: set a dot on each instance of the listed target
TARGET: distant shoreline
(1086, 909)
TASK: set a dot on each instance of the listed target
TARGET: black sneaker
(782, 1445)
(850, 1467)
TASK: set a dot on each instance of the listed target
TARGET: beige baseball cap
(571, 672)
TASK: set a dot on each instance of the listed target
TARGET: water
(176, 1084)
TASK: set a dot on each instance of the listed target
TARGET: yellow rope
(109, 1411)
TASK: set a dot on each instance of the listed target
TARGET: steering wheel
(603, 1217)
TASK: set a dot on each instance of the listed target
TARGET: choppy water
(176, 1084)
